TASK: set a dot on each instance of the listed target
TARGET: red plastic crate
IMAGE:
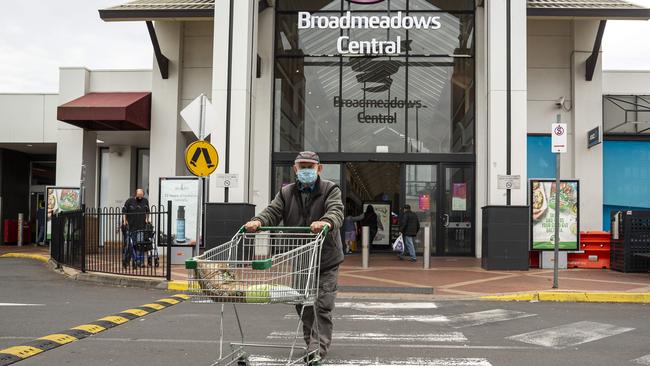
(596, 247)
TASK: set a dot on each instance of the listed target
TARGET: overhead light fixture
(29, 145)
(99, 141)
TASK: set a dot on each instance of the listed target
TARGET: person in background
(314, 202)
(409, 225)
(40, 222)
(371, 220)
(136, 211)
(350, 230)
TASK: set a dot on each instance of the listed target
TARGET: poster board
(542, 206)
(382, 209)
(60, 199)
(186, 192)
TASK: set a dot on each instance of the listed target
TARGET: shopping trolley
(273, 265)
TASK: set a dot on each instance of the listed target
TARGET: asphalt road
(367, 332)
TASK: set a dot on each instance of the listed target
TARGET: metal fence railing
(67, 246)
(110, 241)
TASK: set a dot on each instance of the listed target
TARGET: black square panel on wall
(223, 221)
(505, 237)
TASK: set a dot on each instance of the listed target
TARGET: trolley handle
(294, 229)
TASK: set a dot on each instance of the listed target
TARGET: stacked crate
(633, 238)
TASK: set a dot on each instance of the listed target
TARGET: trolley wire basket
(274, 265)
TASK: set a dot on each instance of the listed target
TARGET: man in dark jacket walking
(316, 203)
(409, 225)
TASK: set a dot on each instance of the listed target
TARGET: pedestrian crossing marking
(22, 351)
(201, 158)
(385, 318)
(59, 338)
(386, 305)
(645, 360)
(485, 317)
(410, 361)
(569, 335)
(383, 337)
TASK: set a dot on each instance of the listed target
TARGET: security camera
(560, 102)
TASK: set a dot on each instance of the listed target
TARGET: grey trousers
(327, 287)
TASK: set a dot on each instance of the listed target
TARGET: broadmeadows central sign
(344, 45)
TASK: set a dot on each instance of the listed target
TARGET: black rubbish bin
(223, 220)
(505, 237)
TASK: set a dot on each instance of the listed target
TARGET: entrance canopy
(108, 111)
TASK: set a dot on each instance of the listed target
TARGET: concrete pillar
(239, 111)
(497, 93)
(587, 114)
(263, 123)
(491, 101)
(166, 141)
(481, 124)
(75, 147)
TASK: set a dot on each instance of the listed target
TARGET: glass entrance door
(455, 234)
(420, 187)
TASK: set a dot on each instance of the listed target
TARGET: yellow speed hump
(201, 158)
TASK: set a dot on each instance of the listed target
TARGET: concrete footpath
(448, 278)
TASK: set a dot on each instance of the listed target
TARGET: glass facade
(417, 100)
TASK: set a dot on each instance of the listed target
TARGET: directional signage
(559, 137)
(201, 158)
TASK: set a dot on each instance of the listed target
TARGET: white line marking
(397, 338)
(570, 335)
(385, 318)
(645, 360)
(337, 345)
(485, 317)
(411, 361)
(18, 304)
(385, 305)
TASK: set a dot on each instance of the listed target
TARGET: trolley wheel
(157, 262)
(243, 361)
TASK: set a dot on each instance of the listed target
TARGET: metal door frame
(438, 249)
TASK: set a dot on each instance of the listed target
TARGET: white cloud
(626, 45)
(39, 36)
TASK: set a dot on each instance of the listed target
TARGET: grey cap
(307, 157)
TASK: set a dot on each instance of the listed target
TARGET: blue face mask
(307, 176)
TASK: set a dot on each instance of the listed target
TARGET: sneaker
(413, 260)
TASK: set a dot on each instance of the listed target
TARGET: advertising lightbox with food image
(542, 199)
(60, 199)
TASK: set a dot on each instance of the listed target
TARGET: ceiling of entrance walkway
(374, 179)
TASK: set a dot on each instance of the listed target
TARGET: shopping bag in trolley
(275, 265)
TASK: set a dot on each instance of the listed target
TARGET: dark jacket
(409, 224)
(136, 213)
(324, 204)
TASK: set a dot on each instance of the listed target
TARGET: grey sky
(38, 36)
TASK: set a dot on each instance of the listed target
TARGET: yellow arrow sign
(201, 158)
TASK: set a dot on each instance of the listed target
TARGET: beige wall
(197, 63)
(28, 118)
(557, 54)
